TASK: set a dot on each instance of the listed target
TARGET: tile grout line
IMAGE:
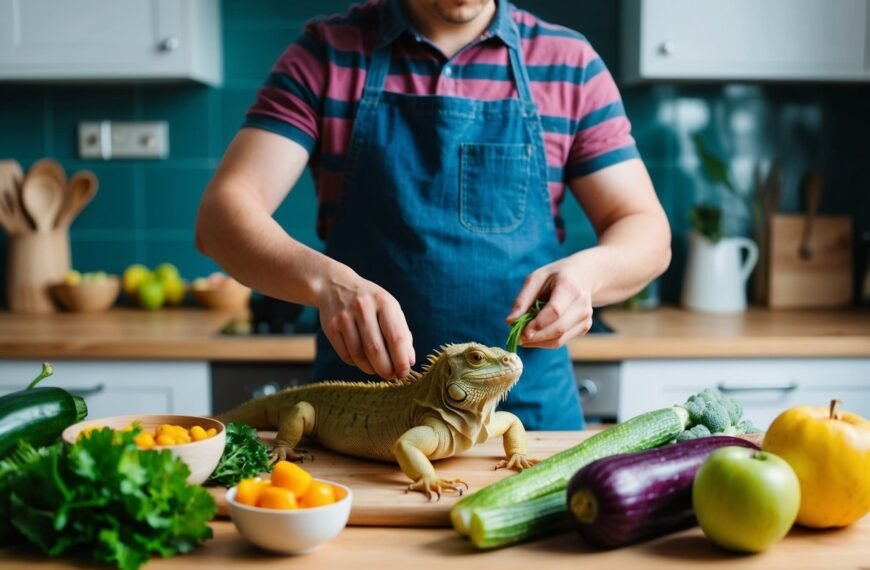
(48, 126)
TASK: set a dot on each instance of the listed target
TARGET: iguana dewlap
(438, 413)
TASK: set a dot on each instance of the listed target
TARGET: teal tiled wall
(145, 210)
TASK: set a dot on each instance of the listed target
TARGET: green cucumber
(645, 431)
(37, 415)
(492, 527)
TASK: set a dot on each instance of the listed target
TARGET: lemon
(167, 272)
(134, 275)
(72, 278)
(173, 290)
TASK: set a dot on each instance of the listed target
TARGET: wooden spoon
(13, 218)
(42, 197)
(49, 167)
(812, 196)
(82, 189)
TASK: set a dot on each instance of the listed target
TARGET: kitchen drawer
(121, 387)
(765, 387)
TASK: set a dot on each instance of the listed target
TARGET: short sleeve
(602, 136)
(290, 101)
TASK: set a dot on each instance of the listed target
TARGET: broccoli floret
(694, 432)
(746, 426)
(715, 411)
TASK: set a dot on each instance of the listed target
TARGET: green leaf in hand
(517, 327)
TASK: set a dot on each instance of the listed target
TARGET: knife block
(35, 262)
(823, 280)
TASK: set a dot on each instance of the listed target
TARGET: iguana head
(471, 375)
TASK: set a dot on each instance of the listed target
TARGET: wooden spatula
(82, 189)
(42, 197)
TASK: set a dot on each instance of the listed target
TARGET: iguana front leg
(292, 427)
(413, 450)
(515, 448)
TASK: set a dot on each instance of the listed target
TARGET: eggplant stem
(584, 506)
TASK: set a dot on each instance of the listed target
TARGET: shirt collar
(394, 21)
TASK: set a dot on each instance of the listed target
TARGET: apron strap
(376, 76)
(518, 69)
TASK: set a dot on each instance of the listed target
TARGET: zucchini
(624, 499)
(492, 527)
(642, 432)
(37, 415)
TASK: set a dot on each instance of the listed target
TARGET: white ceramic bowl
(297, 531)
(200, 456)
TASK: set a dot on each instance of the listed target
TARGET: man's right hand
(366, 326)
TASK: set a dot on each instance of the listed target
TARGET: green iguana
(438, 413)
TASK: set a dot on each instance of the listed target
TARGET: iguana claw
(430, 485)
(517, 461)
(285, 453)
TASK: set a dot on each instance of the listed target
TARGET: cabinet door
(123, 387)
(765, 387)
(98, 38)
(750, 39)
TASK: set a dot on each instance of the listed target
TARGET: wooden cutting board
(823, 280)
(379, 497)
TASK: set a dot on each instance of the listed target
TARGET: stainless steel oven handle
(726, 389)
(84, 392)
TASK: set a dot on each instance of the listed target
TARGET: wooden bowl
(231, 295)
(200, 456)
(88, 296)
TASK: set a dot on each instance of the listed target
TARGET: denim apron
(445, 205)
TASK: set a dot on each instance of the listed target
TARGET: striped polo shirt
(313, 90)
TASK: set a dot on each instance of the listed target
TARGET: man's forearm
(244, 239)
(630, 253)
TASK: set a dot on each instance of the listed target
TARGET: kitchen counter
(436, 549)
(194, 334)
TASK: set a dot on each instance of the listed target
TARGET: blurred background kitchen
(751, 116)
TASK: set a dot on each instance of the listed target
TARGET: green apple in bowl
(745, 500)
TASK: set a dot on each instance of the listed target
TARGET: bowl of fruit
(91, 292)
(291, 512)
(220, 292)
(198, 441)
(154, 288)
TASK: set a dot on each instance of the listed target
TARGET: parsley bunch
(244, 456)
(103, 497)
(513, 339)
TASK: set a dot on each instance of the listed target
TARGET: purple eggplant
(623, 499)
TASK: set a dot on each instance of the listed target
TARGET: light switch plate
(109, 140)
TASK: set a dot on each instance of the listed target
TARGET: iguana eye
(476, 358)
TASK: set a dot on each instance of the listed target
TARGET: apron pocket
(493, 182)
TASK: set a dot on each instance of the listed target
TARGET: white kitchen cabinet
(803, 40)
(113, 388)
(110, 40)
(765, 387)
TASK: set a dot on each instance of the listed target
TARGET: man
(441, 135)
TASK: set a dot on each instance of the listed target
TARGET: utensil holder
(35, 262)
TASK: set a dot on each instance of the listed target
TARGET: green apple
(744, 499)
(151, 294)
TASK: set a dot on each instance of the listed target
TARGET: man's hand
(568, 312)
(366, 326)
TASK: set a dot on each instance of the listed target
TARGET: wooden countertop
(436, 549)
(193, 334)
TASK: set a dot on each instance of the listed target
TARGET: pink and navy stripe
(312, 92)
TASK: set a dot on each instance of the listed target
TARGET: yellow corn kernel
(180, 430)
(164, 439)
(211, 432)
(182, 438)
(144, 440)
(197, 433)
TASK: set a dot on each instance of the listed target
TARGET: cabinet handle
(668, 47)
(170, 43)
(588, 389)
(790, 387)
(83, 392)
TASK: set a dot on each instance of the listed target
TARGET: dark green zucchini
(37, 415)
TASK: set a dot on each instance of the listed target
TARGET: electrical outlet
(124, 139)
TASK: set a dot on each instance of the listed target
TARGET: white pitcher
(715, 277)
